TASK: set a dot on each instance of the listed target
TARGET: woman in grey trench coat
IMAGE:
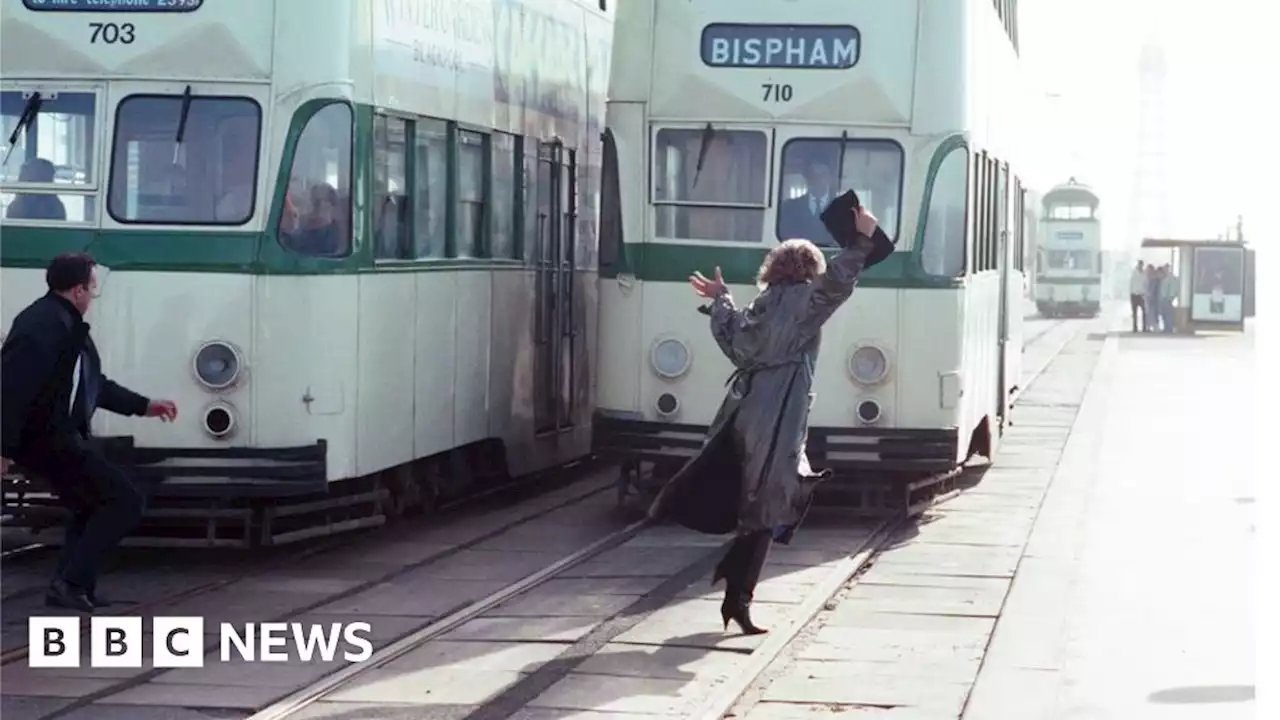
(751, 476)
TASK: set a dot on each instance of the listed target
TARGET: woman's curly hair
(794, 261)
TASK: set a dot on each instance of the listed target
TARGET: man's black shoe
(62, 595)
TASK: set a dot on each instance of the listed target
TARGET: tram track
(294, 703)
(293, 559)
(712, 708)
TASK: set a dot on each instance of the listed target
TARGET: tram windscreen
(807, 183)
(51, 156)
(209, 178)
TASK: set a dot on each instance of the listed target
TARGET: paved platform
(1101, 570)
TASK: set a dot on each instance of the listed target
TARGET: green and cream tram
(732, 123)
(355, 240)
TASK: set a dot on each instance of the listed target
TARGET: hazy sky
(1222, 130)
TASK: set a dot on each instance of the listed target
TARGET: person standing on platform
(1168, 293)
(52, 383)
(1137, 296)
(752, 476)
(1151, 299)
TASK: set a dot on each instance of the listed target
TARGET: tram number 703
(111, 33)
(774, 92)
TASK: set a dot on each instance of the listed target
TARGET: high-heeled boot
(729, 564)
(740, 585)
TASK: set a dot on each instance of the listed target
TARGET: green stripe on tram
(662, 262)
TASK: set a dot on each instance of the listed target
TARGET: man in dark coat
(752, 476)
(801, 217)
(52, 383)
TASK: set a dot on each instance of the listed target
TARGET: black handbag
(839, 221)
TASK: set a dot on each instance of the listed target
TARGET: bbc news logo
(179, 642)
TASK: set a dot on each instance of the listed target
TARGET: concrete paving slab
(326, 710)
(383, 628)
(657, 696)
(481, 565)
(697, 623)
(561, 714)
(632, 586)
(638, 562)
(428, 686)
(238, 672)
(556, 629)
(769, 591)
(103, 711)
(552, 602)
(886, 690)
(48, 685)
(452, 655)
(828, 711)
(839, 643)
(427, 597)
(967, 601)
(28, 707)
(672, 663)
(943, 559)
(197, 696)
(973, 534)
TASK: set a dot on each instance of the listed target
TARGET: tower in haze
(1150, 207)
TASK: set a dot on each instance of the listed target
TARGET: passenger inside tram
(816, 170)
(36, 206)
(314, 229)
(801, 217)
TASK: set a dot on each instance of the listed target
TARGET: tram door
(1003, 259)
(555, 332)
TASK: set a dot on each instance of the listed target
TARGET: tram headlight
(868, 365)
(217, 365)
(670, 358)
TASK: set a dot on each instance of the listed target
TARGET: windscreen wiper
(182, 121)
(29, 112)
(707, 134)
(844, 144)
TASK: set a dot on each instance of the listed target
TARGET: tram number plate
(777, 93)
(111, 33)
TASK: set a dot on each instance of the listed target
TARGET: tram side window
(611, 227)
(208, 178)
(390, 195)
(533, 189)
(52, 157)
(430, 188)
(317, 213)
(808, 183)
(710, 184)
(502, 172)
(942, 248)
(472, 205)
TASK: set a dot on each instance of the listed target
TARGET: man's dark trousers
(105, 506)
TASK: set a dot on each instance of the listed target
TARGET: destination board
(735, 45)
(113, 5)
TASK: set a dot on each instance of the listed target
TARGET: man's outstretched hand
(166, 410)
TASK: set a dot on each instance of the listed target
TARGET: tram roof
(1071, 191)
(1187, 243)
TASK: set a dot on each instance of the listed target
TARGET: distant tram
(355, 240)
(1069, 268)
(731, 123)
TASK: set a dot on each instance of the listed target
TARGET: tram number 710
(774, 92)
(111, 33)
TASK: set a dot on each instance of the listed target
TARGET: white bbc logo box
(179, 642)
(115, 642)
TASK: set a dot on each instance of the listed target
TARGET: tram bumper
(849, 452)
(201, 487)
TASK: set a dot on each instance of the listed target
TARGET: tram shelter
(1215, 283)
